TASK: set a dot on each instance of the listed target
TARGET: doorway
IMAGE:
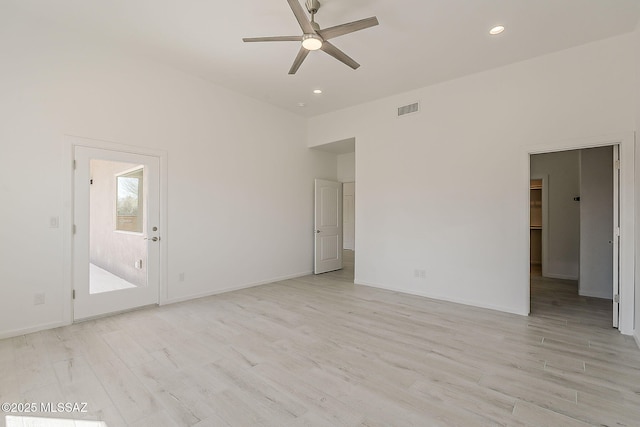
(116, 256)
(345, 157)
(574, 248)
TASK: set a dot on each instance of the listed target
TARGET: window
(129, 209)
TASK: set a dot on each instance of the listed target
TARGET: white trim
(67, 233)
(71, 141)
(472, 303)
(615, 238)
(235, 288)
(46, 326)
(580, 143)
(32, 329)
(626, 141)
(115, 313)
(560, 276)
(636, 336)
(601, 295)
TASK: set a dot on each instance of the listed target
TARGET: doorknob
(317, 231)
(153, 239)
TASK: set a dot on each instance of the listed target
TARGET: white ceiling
(418, 42)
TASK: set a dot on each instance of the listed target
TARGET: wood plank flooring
(320, 351)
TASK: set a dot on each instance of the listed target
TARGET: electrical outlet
(54, 222)
(138, 264)
(423, 274)
(38, 298)
(416, 273)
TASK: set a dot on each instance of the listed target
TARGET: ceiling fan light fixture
(311, 41)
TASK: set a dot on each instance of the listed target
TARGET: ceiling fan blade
(301, 16)
(302, 54)
(273, 39)
(339, 55)
(340, 30)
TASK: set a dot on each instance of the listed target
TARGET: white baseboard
(594, 295)
(636, 336)
(45, 326)
(560, 276)
(32, 329)
(445, 298)
(233, 288)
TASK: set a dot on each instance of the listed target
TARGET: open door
(116, 244)
(328, 226)
(616, 235)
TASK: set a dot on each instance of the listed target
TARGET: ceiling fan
(313, 38)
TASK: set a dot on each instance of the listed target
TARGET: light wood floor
(319, 351)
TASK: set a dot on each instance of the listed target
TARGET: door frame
(626, 142)
(71, 141)
(615, 235)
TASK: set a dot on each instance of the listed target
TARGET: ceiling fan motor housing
(312, 6)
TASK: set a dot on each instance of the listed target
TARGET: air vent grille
(408, 109)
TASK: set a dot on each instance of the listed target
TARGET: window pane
(129, 209)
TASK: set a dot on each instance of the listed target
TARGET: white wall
(461, 211)
(240, 197)
(348, 215)
(347, 167)
(563, 224)
(596, 222)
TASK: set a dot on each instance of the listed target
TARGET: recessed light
(317, 91)
(496, 30)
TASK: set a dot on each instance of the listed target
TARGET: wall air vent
(408, 109)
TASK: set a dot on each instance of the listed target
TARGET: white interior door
(328, 226)
(116, 250)
(616, 235)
